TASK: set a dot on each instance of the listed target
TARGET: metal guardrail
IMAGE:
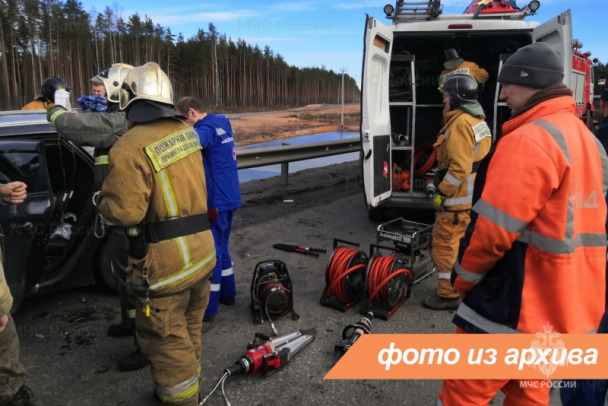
(246, 158)
(255, 157)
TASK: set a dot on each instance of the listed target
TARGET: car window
(19, 165)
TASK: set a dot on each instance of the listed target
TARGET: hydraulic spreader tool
(267, 355)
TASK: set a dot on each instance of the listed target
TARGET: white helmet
(146, 82)
(112, 79)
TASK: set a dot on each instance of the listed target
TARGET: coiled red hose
(380, 275)
(337, 270)
(420, 168)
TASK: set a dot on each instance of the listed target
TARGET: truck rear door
(557, 32)
(375, 116)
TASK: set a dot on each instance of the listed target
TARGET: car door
(557, 32)
(25, 226)
(375, 114)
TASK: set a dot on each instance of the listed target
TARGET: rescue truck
(401, 107)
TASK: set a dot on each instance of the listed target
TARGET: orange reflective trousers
(477, 392)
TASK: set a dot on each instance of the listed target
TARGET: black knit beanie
(537, 65)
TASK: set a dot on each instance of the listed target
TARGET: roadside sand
(257, 127)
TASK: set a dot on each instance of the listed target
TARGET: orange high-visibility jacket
(534, 255)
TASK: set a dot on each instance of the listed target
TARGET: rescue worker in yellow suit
(455, 65)
(155, 188)
(462, 142)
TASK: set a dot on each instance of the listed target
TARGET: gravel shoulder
(257, 127)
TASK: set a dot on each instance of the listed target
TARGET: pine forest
(42, 38)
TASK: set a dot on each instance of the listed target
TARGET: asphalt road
(71, 361)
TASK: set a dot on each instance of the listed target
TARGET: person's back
(456, 65)
(223, 191)
(219, 159)
(37, 104)
(156, 189)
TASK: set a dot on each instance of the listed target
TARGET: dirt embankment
(257, 127)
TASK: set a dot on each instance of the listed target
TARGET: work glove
(438, 199)
(93, 103)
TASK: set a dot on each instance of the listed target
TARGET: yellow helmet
(112, 79)
(146, 82)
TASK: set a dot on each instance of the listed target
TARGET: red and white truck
(401, 66)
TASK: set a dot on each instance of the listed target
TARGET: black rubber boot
(228, 301)
(133, 362)
(125, 328)
(440, 303)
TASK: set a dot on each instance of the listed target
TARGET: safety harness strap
(169, 229)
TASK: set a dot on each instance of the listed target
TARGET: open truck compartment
(402, 109)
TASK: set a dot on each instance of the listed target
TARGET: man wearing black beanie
(533, 259)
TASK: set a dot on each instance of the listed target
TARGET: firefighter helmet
(51, 85)
(112, 79)
(146, 82)
(461, 88)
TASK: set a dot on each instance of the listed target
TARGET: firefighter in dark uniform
(101, 130)
(155, 189)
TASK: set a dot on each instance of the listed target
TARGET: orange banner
(547, 355)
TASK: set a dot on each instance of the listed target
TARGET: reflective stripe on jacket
(534, 255)
(155, 174)
(463, 141)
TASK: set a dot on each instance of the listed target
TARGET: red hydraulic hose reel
(344, 276)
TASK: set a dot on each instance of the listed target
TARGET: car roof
(24, 122)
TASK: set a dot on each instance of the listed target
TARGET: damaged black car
(54, 240)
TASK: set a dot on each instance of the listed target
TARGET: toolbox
(412, 243)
